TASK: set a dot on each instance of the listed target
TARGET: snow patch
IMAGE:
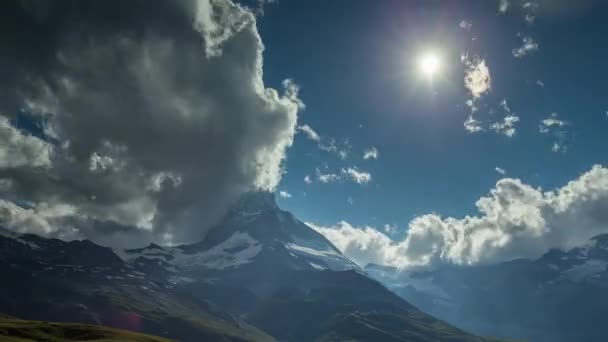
(238, 249)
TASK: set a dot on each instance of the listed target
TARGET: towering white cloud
(515, 220)
(157, 117)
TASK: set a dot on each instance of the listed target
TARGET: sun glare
(429, 64)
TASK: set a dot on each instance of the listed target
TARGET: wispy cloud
(551, 122)
(351, 173)
(371, 153)
(327, 144)
(284, 194)
(528, 46)
(507, 125)
(500, 171)
(360, 177)
(472, 125)
(310, 133)
(556, 128)
(466, 25)
(503, 6)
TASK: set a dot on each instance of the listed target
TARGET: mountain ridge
(260, 275)
(555, 297)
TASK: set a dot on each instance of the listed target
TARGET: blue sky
(354, 63)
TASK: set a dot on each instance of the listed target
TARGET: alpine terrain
(259, 275)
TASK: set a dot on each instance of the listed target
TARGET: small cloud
(359, 177)
(540, 83)
(350, 200)
(503, 6)
(528, 46)
(284, 194)
(477, 76)
(327, 177)
(500, 171)
(472, 125)
(530, 18)
(307, 179)
(310, 133)
(555, 127)
(559, 147)
(326, 144)
(507, 126)
(390, 228)
(466, 25)
(551, 122)
(352, 173)
(372, 153)
(530, 5)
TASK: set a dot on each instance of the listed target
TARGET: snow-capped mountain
(557, 297)
(259, 275)
(254, 233)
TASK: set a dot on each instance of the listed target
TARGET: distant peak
(256, 201)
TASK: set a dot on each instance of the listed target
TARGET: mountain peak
(255, 201)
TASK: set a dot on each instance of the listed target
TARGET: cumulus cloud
(363, 245)
(158, 117)
(477, 78)
(18, 149)
(371, 153)
(307, 179)
(528, 46)
(515, 220)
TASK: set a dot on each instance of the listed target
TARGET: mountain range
(259, 275)
(561, 296)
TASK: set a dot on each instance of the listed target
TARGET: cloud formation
(149, 114)
(527, 47)
(477, 76)
(503, 6)
(472, 125)
(371, 153)
(554, 127)
(284, 194)
(350, 173)
(22, 150)
(515, 220)
(327, 144)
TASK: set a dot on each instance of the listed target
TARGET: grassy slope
(17, 330)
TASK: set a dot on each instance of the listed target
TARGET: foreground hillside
(18, 330)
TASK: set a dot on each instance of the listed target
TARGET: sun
(429, 64)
